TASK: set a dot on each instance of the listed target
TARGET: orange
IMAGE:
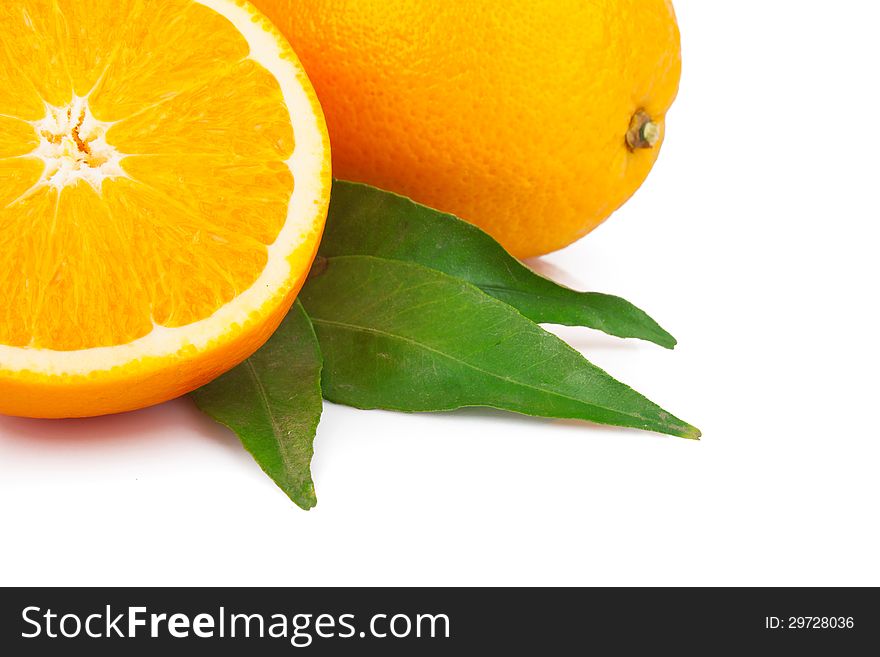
(164, 181)
(535, 119)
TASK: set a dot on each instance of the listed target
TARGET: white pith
(73, 147)
(306, 165)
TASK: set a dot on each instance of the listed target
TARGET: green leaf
(400, 336)
(366, 221)
(273, 403)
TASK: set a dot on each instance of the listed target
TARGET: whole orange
(535, 119)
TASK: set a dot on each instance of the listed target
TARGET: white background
(754, 241)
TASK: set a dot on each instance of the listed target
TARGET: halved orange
(164, 181)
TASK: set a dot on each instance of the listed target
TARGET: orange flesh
(202, 135)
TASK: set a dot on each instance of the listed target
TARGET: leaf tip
(305, 500)
(661, 337)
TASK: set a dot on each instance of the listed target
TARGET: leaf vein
(375, 331)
